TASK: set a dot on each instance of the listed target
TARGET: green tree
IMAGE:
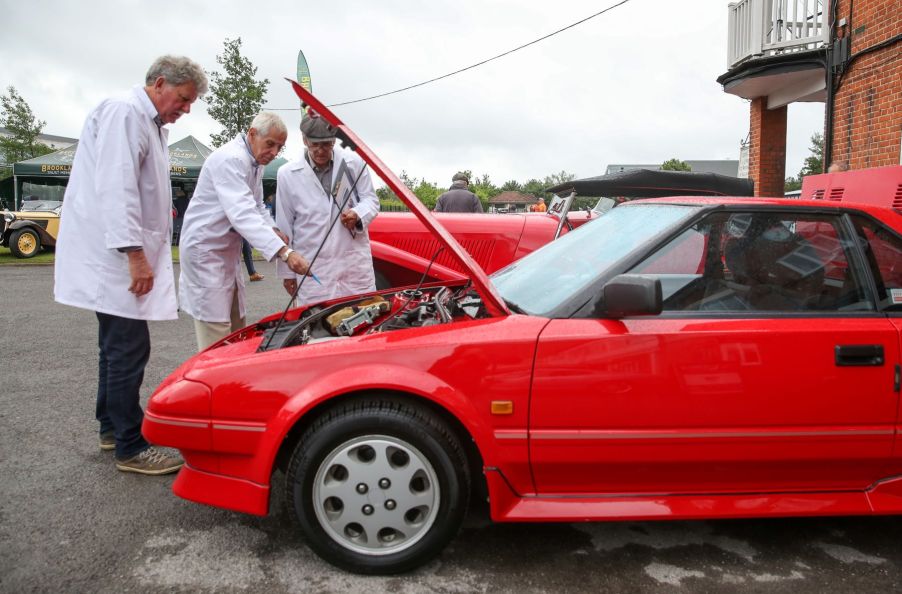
(536, 187)
(428, 193)
(558, 178)
(814, 163)
(676, 165)
(483, 188)
(24, 128)
(792, 184)
(236, 96)
(511, 186)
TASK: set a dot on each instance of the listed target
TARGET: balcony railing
(769, 27)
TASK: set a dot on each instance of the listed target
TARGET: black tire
(365, 442)
(24, 243)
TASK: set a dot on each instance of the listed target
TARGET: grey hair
(266, 121)
(177, 70)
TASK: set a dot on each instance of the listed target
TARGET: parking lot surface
(70, 522)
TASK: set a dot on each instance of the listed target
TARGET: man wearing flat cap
(458, 198)
(326, 197)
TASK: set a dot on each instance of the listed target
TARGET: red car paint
(695, 415)
(880, 186)
(402, 247)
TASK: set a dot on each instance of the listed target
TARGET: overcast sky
(635, 85)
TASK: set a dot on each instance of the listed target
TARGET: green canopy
(186, 158)
(269, 172)
(47, 175)
(56, 164)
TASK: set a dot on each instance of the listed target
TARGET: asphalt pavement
(70, 522)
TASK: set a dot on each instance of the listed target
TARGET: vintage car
(403, 248)
(676, 358)
(35, 226)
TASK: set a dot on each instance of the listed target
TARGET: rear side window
(759, 262)
(883, 250)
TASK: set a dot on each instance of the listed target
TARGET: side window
(758, 261)
(883, 250)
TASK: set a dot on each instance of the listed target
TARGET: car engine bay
(407, 308)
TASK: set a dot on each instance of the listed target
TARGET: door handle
(859, 355)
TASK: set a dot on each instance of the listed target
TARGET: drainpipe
(828, 104)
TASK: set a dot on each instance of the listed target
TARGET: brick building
(846, 54)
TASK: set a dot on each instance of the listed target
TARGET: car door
(883, 253)
(770, 369)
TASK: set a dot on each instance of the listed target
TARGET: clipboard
(344, 184)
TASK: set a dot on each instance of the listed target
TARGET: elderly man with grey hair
(226, 207)
(113, 253)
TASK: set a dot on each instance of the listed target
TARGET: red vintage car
(404, 249)
(676, 358)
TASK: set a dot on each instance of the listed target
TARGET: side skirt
(882, 498)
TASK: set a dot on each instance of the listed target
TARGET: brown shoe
(107, 441)
(256, 277)
(150, 461)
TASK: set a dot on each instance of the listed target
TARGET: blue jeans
(124, 350)
(248, 254)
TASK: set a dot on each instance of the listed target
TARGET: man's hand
(298, 263)
(290, 284)
(349, 219)
(141, 272)
(282, 236)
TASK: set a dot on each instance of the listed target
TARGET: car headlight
(9, 217)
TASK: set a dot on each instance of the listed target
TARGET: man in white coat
(319, 204)
(112, 253)
(227, 206)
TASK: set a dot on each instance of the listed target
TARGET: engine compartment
(385, 312)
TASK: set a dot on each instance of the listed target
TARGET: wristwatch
(286, 253)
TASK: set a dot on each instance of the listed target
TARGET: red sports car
(676, 358)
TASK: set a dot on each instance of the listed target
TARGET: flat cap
(317, 129)
(460, 176)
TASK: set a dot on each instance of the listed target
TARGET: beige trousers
(211, 332)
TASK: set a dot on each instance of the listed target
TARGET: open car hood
(492, 301)
(651, 183)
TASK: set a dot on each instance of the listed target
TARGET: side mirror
(630, 295)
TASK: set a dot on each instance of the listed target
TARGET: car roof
(761, 201)
(650, 183)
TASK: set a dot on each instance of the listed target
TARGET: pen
(314, 277)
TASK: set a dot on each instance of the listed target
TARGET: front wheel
(379, 486)
(24, 243)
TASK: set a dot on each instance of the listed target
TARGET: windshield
(543, 280)
(46, 205)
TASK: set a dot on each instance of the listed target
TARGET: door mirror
(630, 295)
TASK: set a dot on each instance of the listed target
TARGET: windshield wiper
(514, 307)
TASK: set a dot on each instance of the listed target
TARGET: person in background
(539, 206)
(837, 167)
(458, 198)
(228, 206)
(247, 252)
(112, 253)
(270, 203)
(326, 198)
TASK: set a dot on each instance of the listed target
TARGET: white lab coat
(227, 205)
(119, 195)
(305, 212)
